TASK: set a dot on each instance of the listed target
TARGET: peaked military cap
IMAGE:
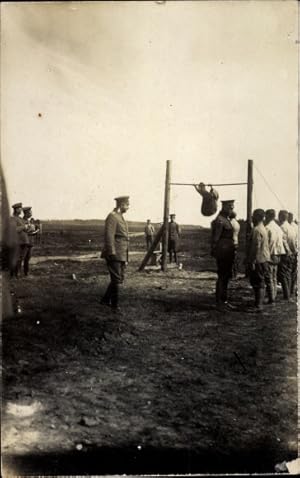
(228, 201)
(172, 215)
(27, 208)
(18, 204)
(122, 199)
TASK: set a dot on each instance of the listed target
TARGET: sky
(96, 96)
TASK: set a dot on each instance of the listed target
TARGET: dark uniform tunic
(115, 251)
(174, 235)
(19, 225)
(223, 250)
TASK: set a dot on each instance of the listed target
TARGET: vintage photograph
(149, 237)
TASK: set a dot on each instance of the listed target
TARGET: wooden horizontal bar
(209, 184)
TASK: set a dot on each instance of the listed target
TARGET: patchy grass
(170, 386)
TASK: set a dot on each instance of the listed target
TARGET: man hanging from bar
(223, 250)
(209, 199)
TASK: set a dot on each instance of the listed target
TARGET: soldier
(236, 230)
(223, 250)
(258, 258)
(115, 251)
(29, 240)
(174, 235)
(149, 233)
(286, 262)
(277, 250)
(294, 261)
(20, 228)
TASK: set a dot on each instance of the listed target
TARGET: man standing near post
(174, 235)
(223, 250)
(149, 233)
(115, 251)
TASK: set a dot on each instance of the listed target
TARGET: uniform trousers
(285, 267)
(149, 240)
(24, 255)
(260, 279)
(225, 266)
(272, 282)
(116, 270)
(173, 248)
(294, 267)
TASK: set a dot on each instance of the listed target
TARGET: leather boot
(115, 296)
(259, 298)
(219, 292)
(285, 289)
(270, 294)
(106, 299)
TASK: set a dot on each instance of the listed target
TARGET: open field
(171, 386)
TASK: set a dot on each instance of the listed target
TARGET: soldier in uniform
(236, 230)
(149, 233)
(174, 235)
(19, 228)
(115, 251)
(294, 261)
(285, 266)
(277, 250)
(258, 260)
(223, 250)
(28, 239)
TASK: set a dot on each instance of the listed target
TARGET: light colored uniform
(236, 230)
(288, 260)
(276, 246)
(259, 258)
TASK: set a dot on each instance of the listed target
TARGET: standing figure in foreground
(29, 239)
(275, 238)
(223, 250)
(258, 259)
(174, 235)
(149, 234)
(115, 250)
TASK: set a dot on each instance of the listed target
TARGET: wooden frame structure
(163, 232)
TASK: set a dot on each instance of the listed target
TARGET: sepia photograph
(149, 237)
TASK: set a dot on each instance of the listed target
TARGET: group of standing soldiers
(271, 256)
(23, 230)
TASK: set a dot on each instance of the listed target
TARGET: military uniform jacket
(222, 237)
(20, 225)
(116, 238)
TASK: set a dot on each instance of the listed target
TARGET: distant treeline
(50, 224)
(66, 223)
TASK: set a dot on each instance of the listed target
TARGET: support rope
(269, 187)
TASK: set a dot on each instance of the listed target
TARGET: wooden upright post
(165, 238)
(152, 249)
(249, 198)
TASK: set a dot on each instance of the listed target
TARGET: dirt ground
(171, 386)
